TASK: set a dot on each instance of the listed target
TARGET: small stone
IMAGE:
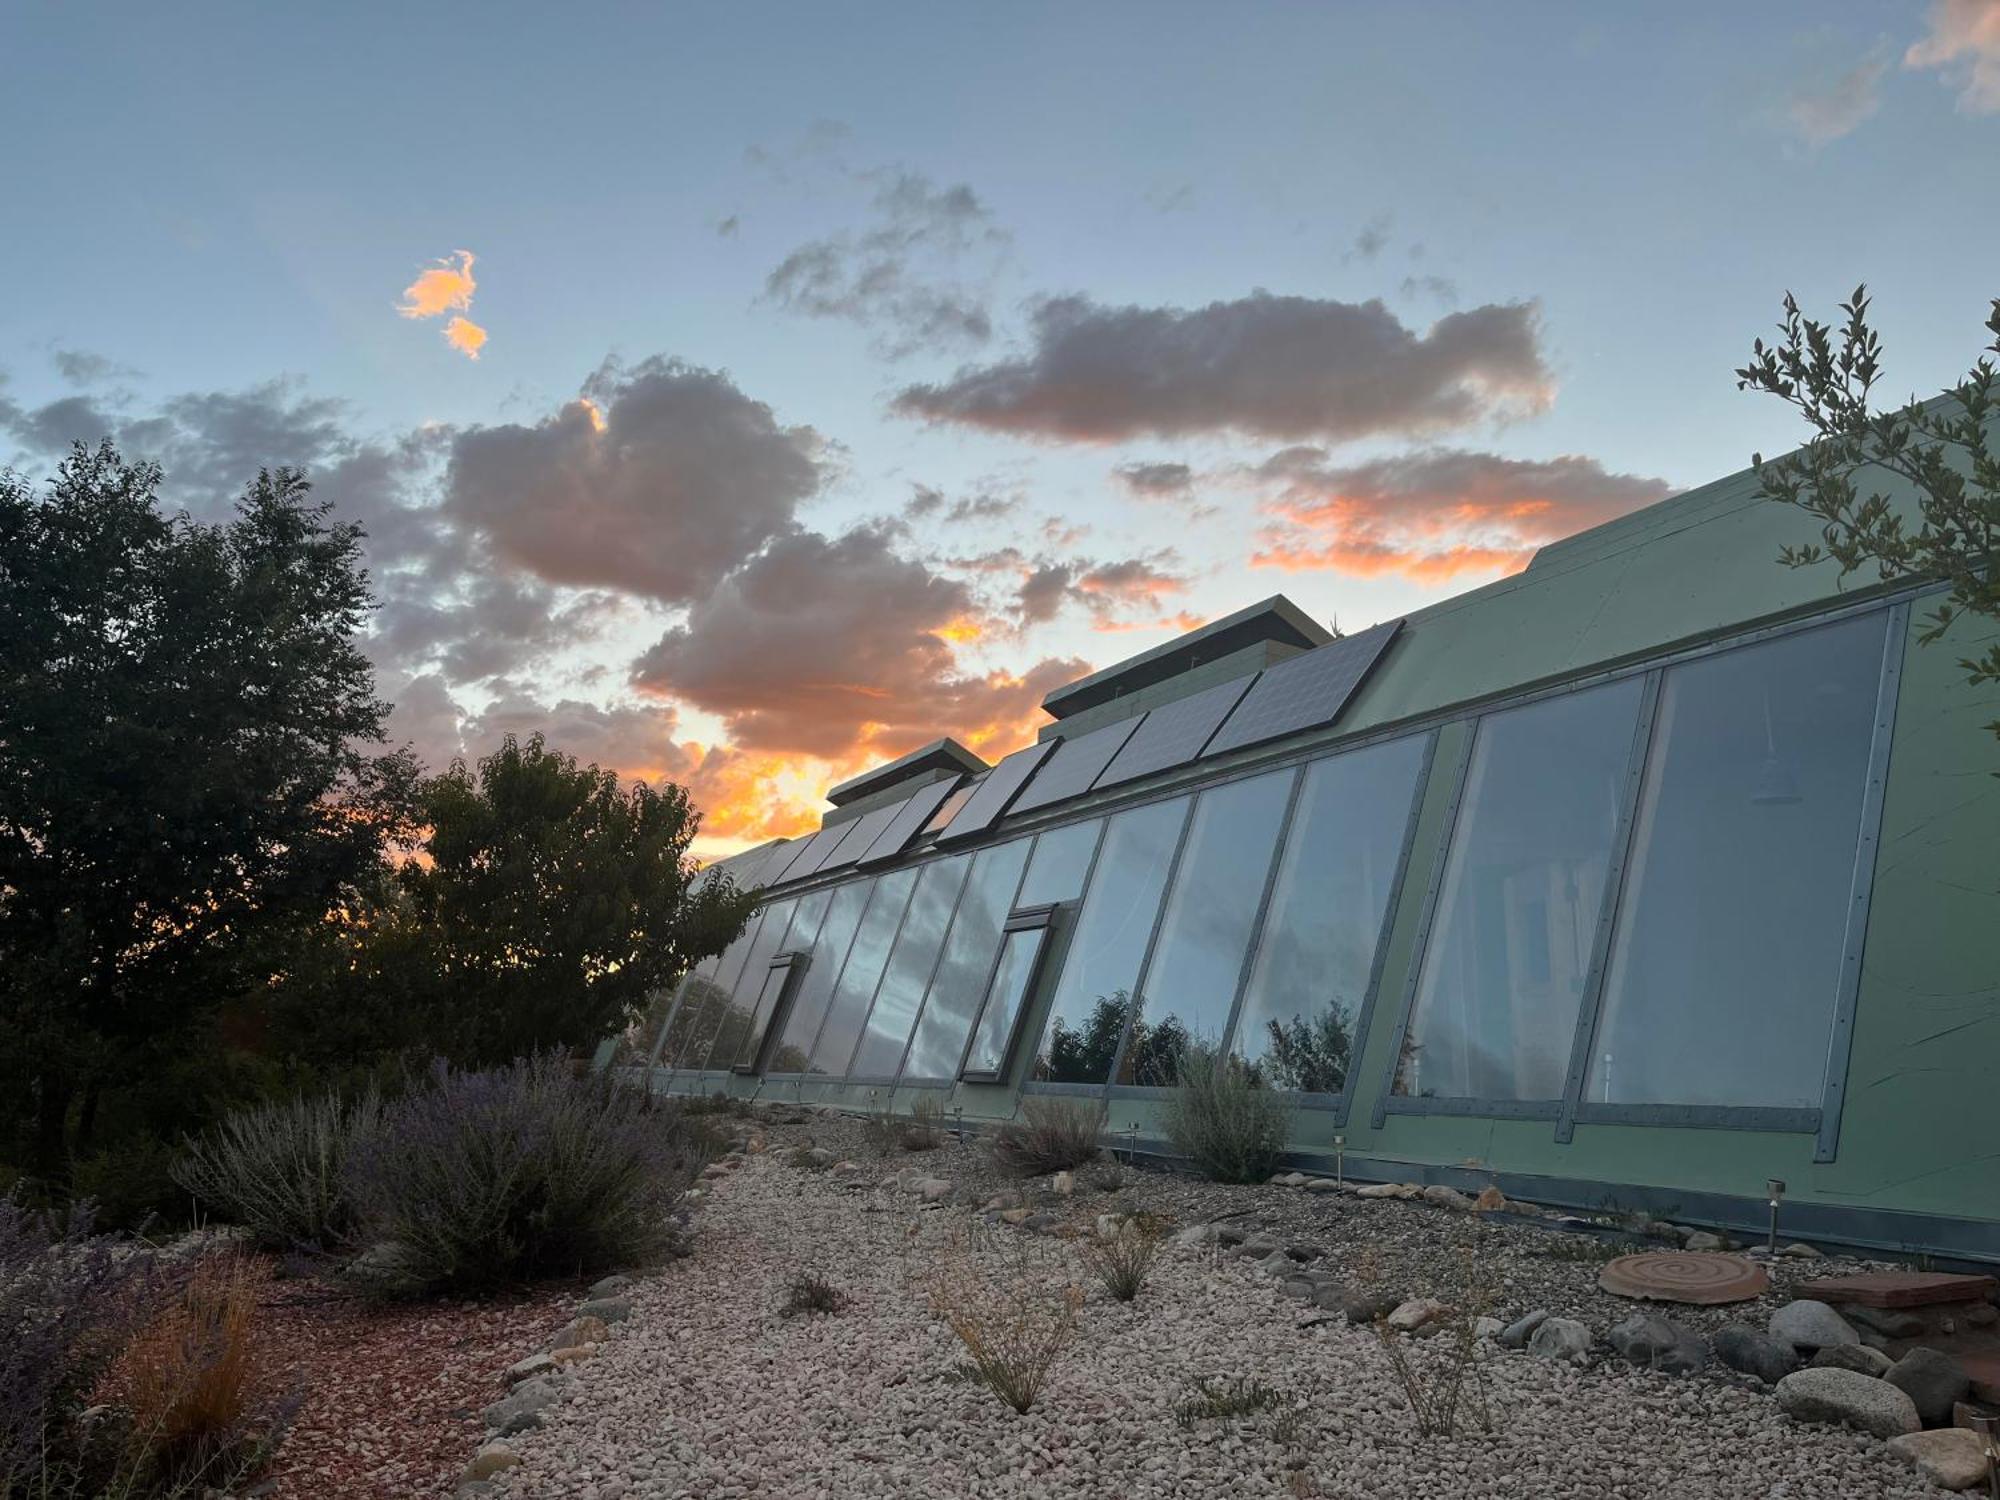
(1487, 1328)
(1857, 1357)
(610, 1309)
(1439, 1196)
(611, 1286)
(529, 1368)
(1951, 1458)
(1801, 1252)
(1002, 1201)
(1016, 1215)
(1380, 1190)
(580, 1330)
(1934, 1383)
(1258, 1246)
(845, 1168)
(1041, 1223)
(1490, 1199)
(1561, 1339)
(1982, 1315)
(1295, 1179)
(1887, 1321)
(575, 1354)
(1230, 1234)
(1322, 1185)
(1277, 1264)
(1418, 1312)
(1754, 1352)
(1108, 1226)
(1811, 1325)
(522, 1409)
(819, 1156)
(1366, 1306)
(1656, 1343)
(1300, 1288)
(933, 1189)
(1064, 1183)
(1517, 1333)
(1193, 1237)
(1847, 1398)
(1703, 1240)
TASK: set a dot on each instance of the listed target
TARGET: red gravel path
(392, 1393)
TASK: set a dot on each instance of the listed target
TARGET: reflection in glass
(1012, 977)
(805, 927)
(968, 956)
(712, 998)
(887, 1031)
(750, 984)
(1317, 950)
(1191, 983)
(1510, 944)
(693, 994)
(815, 988)
(1727, 952)
(1062, 860)
(867, 956)
(1094, 994)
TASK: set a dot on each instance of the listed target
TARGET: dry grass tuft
(1052, 1135)
(809, 1292)
(1123, 1262)
(1439, 1391)
(1014, 1319)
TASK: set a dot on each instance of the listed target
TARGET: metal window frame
(1030, 841)
(839, 969)
(930, 974)
(757, 1043)
(895, 937)
(1044, 920)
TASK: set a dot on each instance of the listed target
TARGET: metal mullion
(773, 1029)
(750, 929)
(986, 989)
(1082, 901)
(1278, 850)
(1840, 1045)
(888, 958)
(660, 1040)
(1584, 1038)
(790, 917)
(833, 994)
(1420, 943)
(957, 900)
(971, 869)
(1152, 945)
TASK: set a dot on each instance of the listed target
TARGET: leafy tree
(554, 901)
(1942, 449)
(1084, 1054)
(1309, 1056)
(186, 770)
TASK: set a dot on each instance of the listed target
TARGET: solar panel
(746, 869)
(862, 832)
(1174, 734)
(1003, 783)
(908, 821)
(957, 800)
(1306, 691)
(810, 852)
(1076, 765)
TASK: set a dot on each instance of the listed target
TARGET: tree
(189, 763)
(1942, 449)
(556, 901)
(1309, 1056)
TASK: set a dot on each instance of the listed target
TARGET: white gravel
(708, 1392)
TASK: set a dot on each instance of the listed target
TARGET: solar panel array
(861, 833)
(1306, 691)
(952, 804)
(1076, 765)
(996, 793)
(810, 852)
(909, 820)
(1174, 734)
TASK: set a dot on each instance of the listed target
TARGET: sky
(743, 395)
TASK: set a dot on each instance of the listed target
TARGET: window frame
(1045, 920)
(758, 1042)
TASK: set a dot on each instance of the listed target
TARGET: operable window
(780, 979)
(1023, 947)
(958, 986)
(808, 1009)
(742, 1005)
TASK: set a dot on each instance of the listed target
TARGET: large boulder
(1656, 1343)
(1932, 1381)
(1811, 1325)
(1744, 1348)
(1849, 1399)
(1561, 1339)
(1951, 1458)
(610, 1309)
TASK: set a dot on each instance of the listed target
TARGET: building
(1650, 874)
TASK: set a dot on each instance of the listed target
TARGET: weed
(1015, 1325)
(1052, 1135)
(1229, 1402)
(1223, 1119)
(1582, 1249)
(809, 1292)
(1124, 1261)
(804, 1159)
(1438, 1391)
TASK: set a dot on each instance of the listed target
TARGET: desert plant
(923, 1130)
(1226, 1401)
(276, 1170)
(1052, 1135)
(1015, 1322)
(811, 1292)
(476, 1179)
(1124, 1261)
(807, 1159)
(69, 1299)
(1439, 1389)
(1218, 1116)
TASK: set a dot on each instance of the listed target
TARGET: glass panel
(1007, 994)
(750, 984)
(1317, 950)
(805, 927)
(968, 956)
(866, 958)
(1087, 1016)
(880, 1053)
(714, 997)
(1495, 1014)
(1726, 957)
(1062, 860)
(1191, 983)
(767, 996)
(822, 974)
(694, 993)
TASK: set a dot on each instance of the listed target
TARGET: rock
(1322, 1185)
(1801, 1252)
(610, 1309)
(522, 1409)
(1193, 1237)
(1856, 1357)
(1754, 1352)
(580, 1330)
(933, 1189)
(1490, 1199)
(575, 1354)
(1016, 1215)
(1366, 1306)
(1041, 1223)
(1418, 1312)
(1560, 1338)
(1811, 1325)
(845, 1168)
(1847, 1398)
(611, 1286)
(1064, 1183)
(1439, 1196)
(1258, 1246)
(1701, 1239)
(1517, 1333)
(1294, 1179)
(1380, 1190)
(1982, 1315)
(1887, 1321)
(529, 1368)
(1932, 1381)
(1300, 1288)
(1002, 1201)
(1656, 1343)
(1303, 1254)
(1487, 1328)
(1951, 1458)
(1277, 1264)
(1230, 1234)
(819, 1156)
(1108, 1226)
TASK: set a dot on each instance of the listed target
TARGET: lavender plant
(276, 1170)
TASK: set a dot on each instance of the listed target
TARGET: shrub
(68, 1301)
(1052, 1135)
(810, 1292)
(1014, 1325)
(1124, 1261)
(276, 1170)
(924, 1129)
(1218, 1116)
(1227, 1401)
(1436, 1389)
(478, 1179)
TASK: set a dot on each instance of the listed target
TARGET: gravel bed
(708, 1391)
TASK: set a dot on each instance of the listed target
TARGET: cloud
(1108, 592)
(466, 336)
(81, 368)
(898, 278)
(659, 483)
(1964, 42)
(985, 503)
(1262, 366)
(837, 647)
(1157, 481)
(1433, 514)
(444, 287)
(1441, 287)
(1370, 242)
(1824, 113)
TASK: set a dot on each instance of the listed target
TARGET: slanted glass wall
(843, 915)
(867, 957)
(887, 1031)
(941, 1030)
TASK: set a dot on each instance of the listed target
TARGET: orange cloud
(1964, 42)
(466, 336)
(440, 289)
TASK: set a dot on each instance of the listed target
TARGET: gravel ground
(708, 1391)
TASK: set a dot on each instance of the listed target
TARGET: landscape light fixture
(958, 1122)
(1774, 1188)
